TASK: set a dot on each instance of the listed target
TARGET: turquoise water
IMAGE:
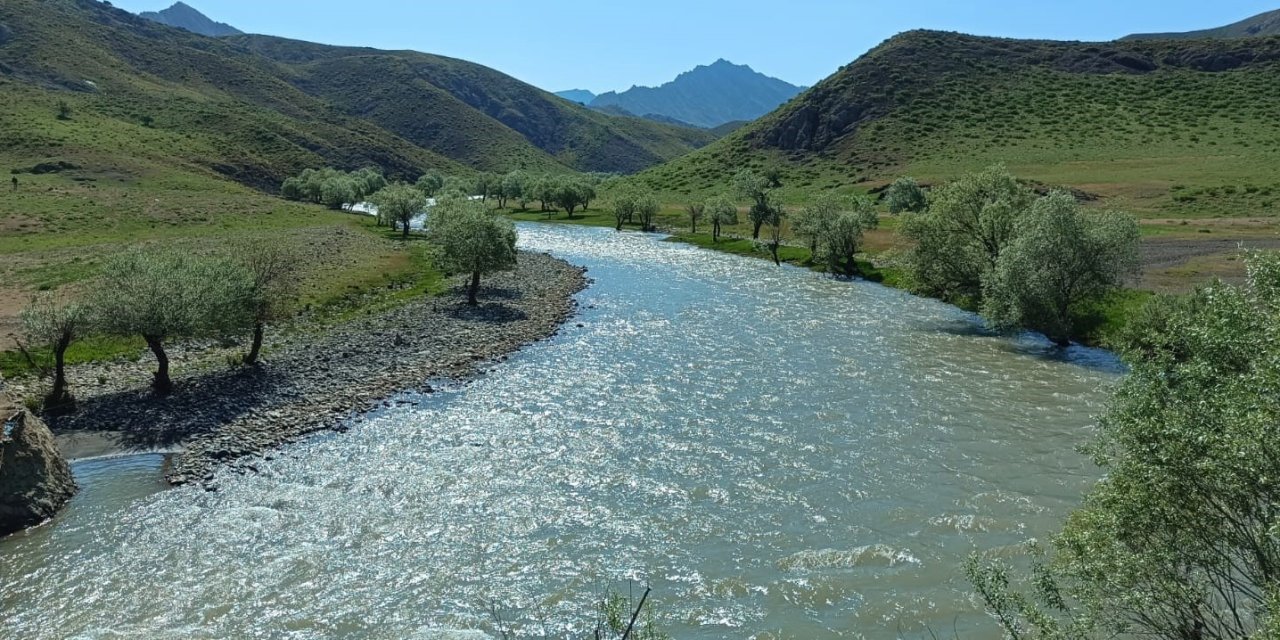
(779, 454)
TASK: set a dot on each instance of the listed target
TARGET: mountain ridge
(184, 16)
(1261, 25)
(706, 96)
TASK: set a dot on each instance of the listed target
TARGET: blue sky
(606, 45)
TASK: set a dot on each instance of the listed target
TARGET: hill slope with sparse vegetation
(1157, 126)
(1264, 24)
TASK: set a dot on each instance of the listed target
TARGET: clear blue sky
(606, 45)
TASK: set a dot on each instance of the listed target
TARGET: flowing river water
(779, 454)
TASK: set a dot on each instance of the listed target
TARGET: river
(778, 453)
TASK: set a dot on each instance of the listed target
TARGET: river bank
(315, 380)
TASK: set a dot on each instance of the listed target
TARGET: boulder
(35, 480)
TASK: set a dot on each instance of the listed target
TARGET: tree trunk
(162, 384)
(58, 396)
(473, 289)
(715, 232)
(755, 230)
(773, 248)
(406, 230)
(252, 358)
(693, 225)
(619, 227)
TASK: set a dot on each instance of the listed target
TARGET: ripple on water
(777, 453)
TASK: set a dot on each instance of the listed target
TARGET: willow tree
(272, 289)
(50, 323)
(472, 240)
(430, 183)
(752, 186)
(399, 203)
(647, 208)
(721, 212)
(840, 235)
(1061, 258)
(1179, 538)
(970, 221)
(623, 206)
(906, 196)
(166, 295)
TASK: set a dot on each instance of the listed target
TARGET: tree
(811, 222)
(337, 192)
(765, 211)
(50, 323)
(1178, 540)
(749, 185)
(485, 185)
(472, 240)
(695, 211)
(905, 195)
(587, 191)
(1060, 258)
(512, 189)
(841, 236)
(569, 195)
(292, 188)
(400, 203)
(166, 295)
(647, 208)
(959, 239)
(544, 189)
(775, 232)
(623, 205)
(430, 183)
(721, 212)
(272, 292)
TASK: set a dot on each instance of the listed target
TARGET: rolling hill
(147, 98)
(183, 16)
(1169, 126)
(481, 117)
(708, 96)
(1265, 24)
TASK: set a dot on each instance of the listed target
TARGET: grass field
(60, 227)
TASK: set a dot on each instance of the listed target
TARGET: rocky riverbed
(315, 380)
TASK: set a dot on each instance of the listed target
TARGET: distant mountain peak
(184, 16)
(706, 96)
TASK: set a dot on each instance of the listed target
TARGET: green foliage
(1179, 539)
(50, 324)
(721, 213)
(334, 189)
(969, 223)
(1061, 257)
(430, 183)
(647, 208)
(164, 295)
(399, 203)
(905, 196)
(839, 234)
(472, 239)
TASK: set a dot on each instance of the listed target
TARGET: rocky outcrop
(35, 480)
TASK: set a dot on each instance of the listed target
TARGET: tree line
(167, 295)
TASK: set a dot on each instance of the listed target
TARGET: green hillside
(148, 98)
(1177, 128)
(1265, 24)
(151, 97)
(482, 117)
